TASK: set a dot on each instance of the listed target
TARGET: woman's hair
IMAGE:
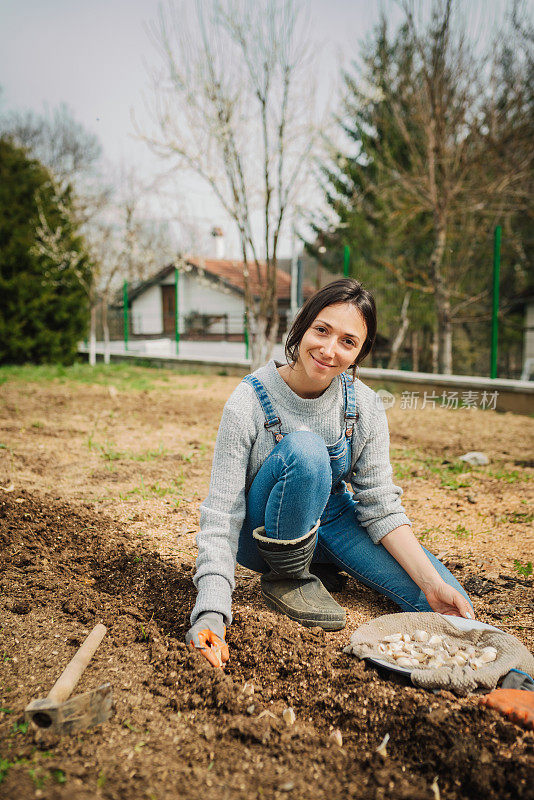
(344, 290)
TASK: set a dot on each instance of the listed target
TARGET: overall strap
(272, 420)
(349, 395)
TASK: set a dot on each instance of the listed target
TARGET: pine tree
(43, 305)
(442, 153)
(385, 255)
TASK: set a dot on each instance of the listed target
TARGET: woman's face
(332, 342)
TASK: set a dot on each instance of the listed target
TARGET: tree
(387, 256)
(125, 245)
(443, 162)
(231, 107)
(57, 140)
(43, 308)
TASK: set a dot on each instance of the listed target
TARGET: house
(211, 302)
(524, 302)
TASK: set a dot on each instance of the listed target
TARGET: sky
(95, 58)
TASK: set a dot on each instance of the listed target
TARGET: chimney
(218, 237)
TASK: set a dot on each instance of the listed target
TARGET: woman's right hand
(207, 635)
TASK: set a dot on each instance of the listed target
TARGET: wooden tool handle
(74, 669)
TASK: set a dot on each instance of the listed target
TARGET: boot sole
(326, 625)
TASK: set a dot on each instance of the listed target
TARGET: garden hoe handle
(62, 689)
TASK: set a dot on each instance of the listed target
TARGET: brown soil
(99, 526)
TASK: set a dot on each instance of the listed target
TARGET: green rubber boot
(290, 587)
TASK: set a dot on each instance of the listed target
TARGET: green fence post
(346, 261)
(176, 310)
(495, 314)
(245, 324)
(125, 303)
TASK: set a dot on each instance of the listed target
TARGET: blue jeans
(292, 490)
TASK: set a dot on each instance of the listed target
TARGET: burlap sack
(461, 680)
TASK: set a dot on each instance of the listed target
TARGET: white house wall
(529, 333)
(195, 295)
(147, 312)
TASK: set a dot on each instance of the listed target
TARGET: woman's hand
(207, 635)
(444, 599)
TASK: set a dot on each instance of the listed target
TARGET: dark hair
(344, 290)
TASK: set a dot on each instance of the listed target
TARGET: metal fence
(471, 341)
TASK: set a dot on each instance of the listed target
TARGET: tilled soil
(181, 728)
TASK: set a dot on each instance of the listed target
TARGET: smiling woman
(292, 439)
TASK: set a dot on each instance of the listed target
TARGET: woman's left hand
(444, 599)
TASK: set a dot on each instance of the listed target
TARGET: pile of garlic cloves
(423, 649)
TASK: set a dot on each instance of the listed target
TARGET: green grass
(39, 774)
(509, 476)
(520, 516)
(461, 532)
(410, 464)
(110, 452)
(403, 472)
(426, 534)
(124, 377)
(521, 569)
(156, 489)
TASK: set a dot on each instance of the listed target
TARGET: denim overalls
(340, 452)
(308, 494)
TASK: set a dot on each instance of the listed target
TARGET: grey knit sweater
(242, 446)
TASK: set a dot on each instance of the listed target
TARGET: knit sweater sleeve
(379, 508)
(222, 514)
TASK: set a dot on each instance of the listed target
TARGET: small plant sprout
(521, 569)
(381, 749)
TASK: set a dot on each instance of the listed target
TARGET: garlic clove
(336, 737)
(428, 651)
(486, 658)
(435, 639)
(421, 636)
(404, 662)
(289, 717)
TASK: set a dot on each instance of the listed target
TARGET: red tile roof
(232, 273)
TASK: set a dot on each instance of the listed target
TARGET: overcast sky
(93, 56)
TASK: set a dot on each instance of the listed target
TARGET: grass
(461, 532)
(156, 489)
(521, 569)
(519, 516)
(110, 452)
(38, 773)
(509, 476)
(124, 377)
(426, 534)
(409, 464)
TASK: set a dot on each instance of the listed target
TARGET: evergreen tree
(386, 251)
(441, 154)
(43, 264)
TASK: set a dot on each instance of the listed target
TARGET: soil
(98, 512)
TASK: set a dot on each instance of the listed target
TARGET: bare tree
(466, 164)
(51, 243)
(57, 140)
(233, 105)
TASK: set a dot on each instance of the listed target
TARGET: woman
(291, 437)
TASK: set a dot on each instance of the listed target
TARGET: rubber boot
(330, 576)
(290, 587)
